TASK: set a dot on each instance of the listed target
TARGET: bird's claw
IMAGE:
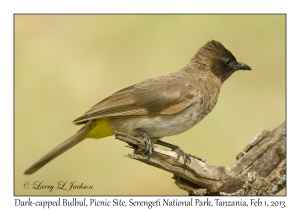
(149, 145)
(186, 157)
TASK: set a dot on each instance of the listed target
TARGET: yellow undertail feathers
(101, 128)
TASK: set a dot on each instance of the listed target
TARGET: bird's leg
(175, 148)
(149, 145)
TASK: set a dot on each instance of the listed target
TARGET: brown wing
(167, 94)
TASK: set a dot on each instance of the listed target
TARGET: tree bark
(260, 168)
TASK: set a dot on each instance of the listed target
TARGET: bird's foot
(149, 145)
(186, 157)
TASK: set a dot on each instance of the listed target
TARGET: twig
(258, 169)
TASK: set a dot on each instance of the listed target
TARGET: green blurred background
(64, 64)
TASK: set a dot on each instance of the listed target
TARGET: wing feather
(168, 94)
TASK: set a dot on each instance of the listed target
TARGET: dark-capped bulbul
(163, 106)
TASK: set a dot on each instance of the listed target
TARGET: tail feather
(64, 146)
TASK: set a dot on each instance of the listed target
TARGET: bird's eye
(228, 61)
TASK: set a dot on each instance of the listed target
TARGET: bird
(157, 107)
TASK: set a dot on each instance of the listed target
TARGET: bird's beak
(241, 66)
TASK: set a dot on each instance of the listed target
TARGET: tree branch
(259, 170)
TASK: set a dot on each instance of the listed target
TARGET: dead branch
(259, 170)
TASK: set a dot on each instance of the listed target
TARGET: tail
(69, 143)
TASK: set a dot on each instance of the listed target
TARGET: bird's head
(217, 59)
